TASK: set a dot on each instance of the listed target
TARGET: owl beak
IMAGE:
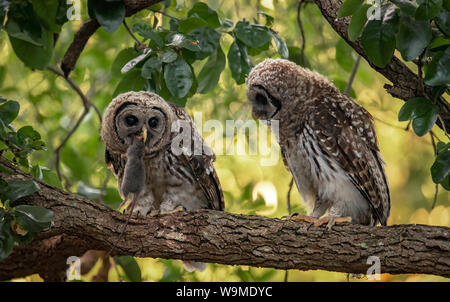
(144, 134)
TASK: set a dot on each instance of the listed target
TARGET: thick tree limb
(211, 236)
(405, 82)
(89, 28)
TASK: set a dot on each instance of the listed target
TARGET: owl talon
(179, 208)
(331, 221)
(153, 213)
(299, 217)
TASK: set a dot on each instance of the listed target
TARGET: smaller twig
(389, 124)
(86, 104)
(64, 141)
(132, 34)
(443, 126)
(352, 76)
(105, 184)
(288, 198)
(291, 183)
(436, 190)
(302, 32)
(164, 14)
(408, 125)
(420, 86)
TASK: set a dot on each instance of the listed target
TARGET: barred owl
(327, 141)
(153, 172)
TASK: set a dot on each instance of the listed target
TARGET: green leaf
(112, 196)
(280, 44)
(109, 14)
(168, 56)
(47, 11)
(437, 72)
(28, 132)
(423, 124)
(210, 74)
(441, 147)
(88, 191)
(443, 22)
(446, 183)
(35, 57)
(428, 9)
(132, 81)
(413, 38)
(189, 24)
(20, 188)
(234, 61)
(357, 22)
(252, 35)
(150, 65)
(203, 11)
(441, 167)
(407, 7)
(33, 218)
(344, 55)
(349, 7)
(123, 57)
(295, 55)
(181, 40)
(9, 111)
(146, 31)
(379, 38)
(23, 24)
(341, 85)
(269, 18)
(413, 108)
(6, 239)
(130, 268)
(178, 77)
(208, 41)
(440, 43)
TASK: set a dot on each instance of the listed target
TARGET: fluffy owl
(327, 141)
(153, 172)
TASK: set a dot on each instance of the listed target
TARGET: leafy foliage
(19, 223)
(408, 27)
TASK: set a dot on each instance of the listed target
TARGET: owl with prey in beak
(327, 142)
(154, 174)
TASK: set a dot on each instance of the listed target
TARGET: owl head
(137, 115)
(275, 86)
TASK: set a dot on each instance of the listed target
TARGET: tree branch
(406, 84)
(213, 236)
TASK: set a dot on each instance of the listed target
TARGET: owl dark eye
(260, 99)
(153, 122)
(131, 120)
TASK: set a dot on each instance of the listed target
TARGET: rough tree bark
(405, 82)
(212, 236)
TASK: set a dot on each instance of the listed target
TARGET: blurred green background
(51, 107)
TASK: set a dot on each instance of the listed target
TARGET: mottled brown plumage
(153, 170)
(187, 179)
(328, 141)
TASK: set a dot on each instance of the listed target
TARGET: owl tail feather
(191, 266)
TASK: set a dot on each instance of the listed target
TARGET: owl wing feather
(345, 132)
(202, 169)
(201, 165)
